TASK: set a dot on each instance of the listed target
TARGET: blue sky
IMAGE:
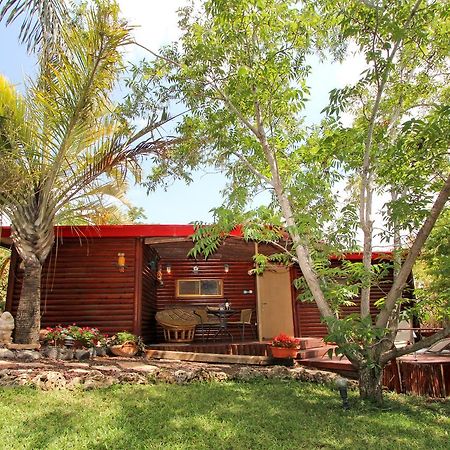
(156, 25)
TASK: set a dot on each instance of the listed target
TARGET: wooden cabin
(116, 277)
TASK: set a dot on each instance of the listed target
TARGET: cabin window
(199, 288)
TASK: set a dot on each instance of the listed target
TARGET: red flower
(285, 341)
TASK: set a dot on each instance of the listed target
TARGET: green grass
(259, 415)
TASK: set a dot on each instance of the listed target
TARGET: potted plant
(73, 338)
(284, 346)
(125, 343)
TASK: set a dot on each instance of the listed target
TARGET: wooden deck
(250, 348)
(420, 374)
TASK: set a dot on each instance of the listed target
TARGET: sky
(156, 25)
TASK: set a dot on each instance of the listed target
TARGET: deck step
(325, 363)
(239, 348)
(208, 357)
(310, 342)
(317, 352)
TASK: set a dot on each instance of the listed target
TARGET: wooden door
(274, 303)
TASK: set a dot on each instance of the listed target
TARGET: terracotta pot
(283, 352)
(126, 349)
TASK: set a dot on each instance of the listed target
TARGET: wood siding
(81, 284)
(307, 320)
(235, 282)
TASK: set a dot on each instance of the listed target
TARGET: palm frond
(42, 20)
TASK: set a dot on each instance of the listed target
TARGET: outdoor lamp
(195, 269)
(69, 341)
(342, 385)
(159, 275)
(226, 268)
(121, 262)
(168, 269)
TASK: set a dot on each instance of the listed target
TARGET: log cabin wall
(149, 283)
(81, 284)
(307, 320)
(235, 283)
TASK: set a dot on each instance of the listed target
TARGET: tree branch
(423, 343)
(413, 253)
(252, 169)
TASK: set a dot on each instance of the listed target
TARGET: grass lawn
(259, 415)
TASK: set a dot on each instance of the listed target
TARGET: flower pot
(284, 352)
(126, 349)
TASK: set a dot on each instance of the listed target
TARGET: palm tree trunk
(28, 317)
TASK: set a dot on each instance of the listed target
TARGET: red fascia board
(102, 231)
(5, 232)
(144, 231)
(358, 256)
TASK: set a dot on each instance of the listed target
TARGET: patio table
(222, 315)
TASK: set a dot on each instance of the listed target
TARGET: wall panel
(307, 320)
(81, 284)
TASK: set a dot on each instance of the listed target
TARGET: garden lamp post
(342, 385)
(69, 341)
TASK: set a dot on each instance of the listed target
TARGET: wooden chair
(245, 319)
(440, 346)
(207, 322)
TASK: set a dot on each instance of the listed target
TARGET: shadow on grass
(266, 415)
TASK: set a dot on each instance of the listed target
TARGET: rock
(83, 354)
(50, 380)
(50, 352)
(66, 354)
(202, 374)
(247, 374)
(6, 327)
(161, 376)
(182, 376)
(6, 354)
(63, 353)
(220, 376)
(98, 382)
(279, 372)
(7, 378)
(23, 379)
(100, 351)
(132, 378)
(75, 383)
(79, 371)
(28, 355)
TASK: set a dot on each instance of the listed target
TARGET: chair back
(203, 314)
(440, 345)
(246, 316)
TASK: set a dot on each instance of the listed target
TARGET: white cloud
(156, 23)
(349, 71)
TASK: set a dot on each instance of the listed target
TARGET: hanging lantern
(121, 262)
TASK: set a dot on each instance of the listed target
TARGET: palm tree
(42, 21)
(63, 144)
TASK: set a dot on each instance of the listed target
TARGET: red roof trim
(143, 231)
(101, 231)
(358, 256)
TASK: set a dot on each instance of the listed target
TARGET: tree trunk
(28, 317)
(370, 384)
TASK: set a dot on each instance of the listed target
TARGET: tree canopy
(241, 67)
